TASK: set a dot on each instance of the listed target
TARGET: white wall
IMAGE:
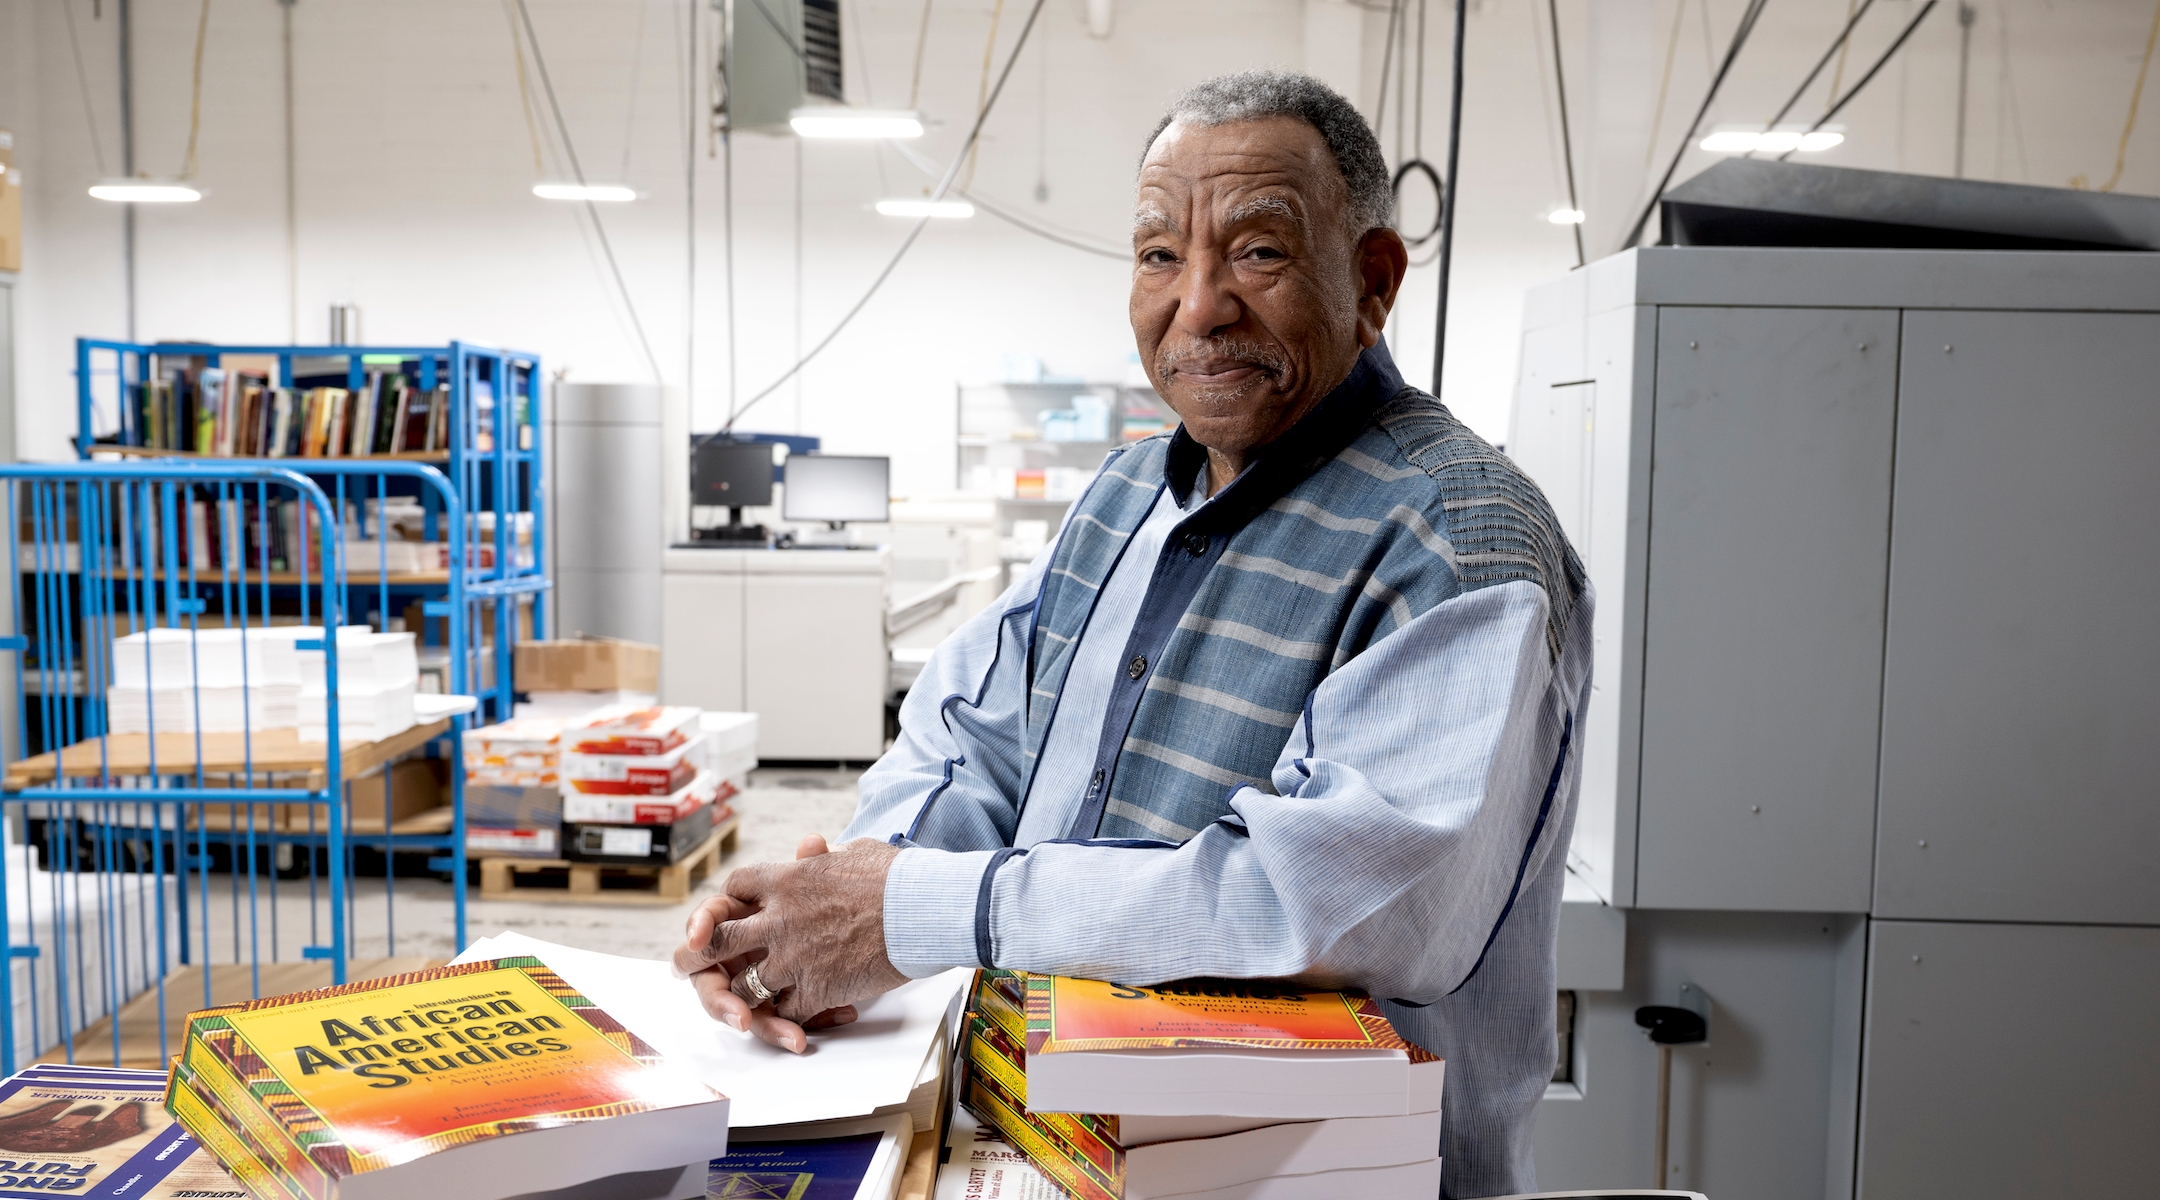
(414, 163)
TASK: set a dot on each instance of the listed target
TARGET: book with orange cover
(488, 1079)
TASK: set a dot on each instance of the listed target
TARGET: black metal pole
(1449, 196)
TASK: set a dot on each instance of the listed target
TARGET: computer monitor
(731, 474)
(836, 488)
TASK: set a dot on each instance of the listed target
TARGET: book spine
(200, 1119)
(1043, 1148)
(993, 1003)
(240, 1114)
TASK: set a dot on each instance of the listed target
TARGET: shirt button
(1136, 668)
(1196, 544)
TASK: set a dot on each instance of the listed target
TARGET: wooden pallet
(521, 878)
(139, 1045)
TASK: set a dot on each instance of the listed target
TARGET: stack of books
(632, 792)
(97, 1131)
(1225, 1088)
(378, 676)
(491, 1079)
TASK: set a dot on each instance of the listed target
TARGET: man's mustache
(1216, 350)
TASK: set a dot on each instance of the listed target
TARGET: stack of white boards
(377, 676)
(174, 680)
(1215, 1089)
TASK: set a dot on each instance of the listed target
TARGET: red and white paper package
(632, 732)
(615, 809)
(632, 775)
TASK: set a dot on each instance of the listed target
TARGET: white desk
(795, 636)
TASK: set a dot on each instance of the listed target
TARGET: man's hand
(815, 929)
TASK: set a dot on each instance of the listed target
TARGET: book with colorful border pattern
(332, 1092)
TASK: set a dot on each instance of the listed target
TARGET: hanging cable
(1887, 55)
(922, 40)
(1417, 129)
(1739, 39)
(570, 150)
(1416, 162)
(982, 90)
(202, 35)
(1844, 39)
(82, 84)
(526, 103)
(1042, 229)
(1387, 62)
(1657, 114)
(1567, 142)
(1450, 193)
(2122, 147)
(944, 186)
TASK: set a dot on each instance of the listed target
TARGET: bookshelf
(471, 410)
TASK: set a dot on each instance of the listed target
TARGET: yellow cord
(525, 102)
(982, 94)
(2122, 147)
(202, 33)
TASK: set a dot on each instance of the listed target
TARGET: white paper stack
(729, 746)
(378, 675)
(209, 680)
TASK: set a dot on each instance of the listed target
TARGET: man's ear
(1382, 260)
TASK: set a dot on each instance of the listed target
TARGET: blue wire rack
(502, 484)
(114, 891)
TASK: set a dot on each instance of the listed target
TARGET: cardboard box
(592, 665)
(414, 789)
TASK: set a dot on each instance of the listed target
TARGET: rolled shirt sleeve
(1383, 853)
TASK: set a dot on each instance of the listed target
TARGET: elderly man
(1295, 694)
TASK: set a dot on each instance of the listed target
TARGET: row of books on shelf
(238, 413)
(237, 534)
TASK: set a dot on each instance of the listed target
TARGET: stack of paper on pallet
(632, 792)
(87, 929)
(1216, 1088)
(513, 801)
(490, 1079)
(97, 1131)
(378, 675)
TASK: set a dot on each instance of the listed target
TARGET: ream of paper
(847, 1072)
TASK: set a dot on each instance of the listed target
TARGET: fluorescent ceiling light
(610, 192)
(1565, 216)
(837, 122)
(1771, 141)
(953, 209)
(146, 191)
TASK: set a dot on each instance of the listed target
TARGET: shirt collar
(1282, 464)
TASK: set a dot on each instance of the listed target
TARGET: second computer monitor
(835, 488)
(731, 474)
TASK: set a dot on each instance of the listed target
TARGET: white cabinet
(795, 636)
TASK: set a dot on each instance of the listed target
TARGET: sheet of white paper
(848, 1072)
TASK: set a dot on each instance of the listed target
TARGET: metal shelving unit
(1033, 446)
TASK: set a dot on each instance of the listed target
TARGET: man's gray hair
(1258, 95)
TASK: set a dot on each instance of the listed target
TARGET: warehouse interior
(783, 340)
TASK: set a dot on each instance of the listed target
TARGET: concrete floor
(779, 808)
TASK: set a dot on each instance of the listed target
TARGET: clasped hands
(814, 929)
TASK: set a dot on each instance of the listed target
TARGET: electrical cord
(1732, 52)
(1887, 55)
(82, 85)
(202, 35)
(1567, 141)
(562, 127)
(2122, 148)
(1844, 39)
(944, 186)
(1063, 237)
(1449, 194)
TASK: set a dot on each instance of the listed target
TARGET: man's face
(1251, 299)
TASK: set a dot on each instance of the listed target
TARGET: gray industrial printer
(1870, 761)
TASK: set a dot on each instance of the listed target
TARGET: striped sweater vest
(1414, 511)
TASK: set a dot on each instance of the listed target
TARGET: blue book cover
(824, 1169)
(94, 1133)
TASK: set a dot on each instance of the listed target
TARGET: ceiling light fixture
(608, 192)
(1772, 141)
(1565, 216)
(146, 191)
(856, 123)
(949, 209)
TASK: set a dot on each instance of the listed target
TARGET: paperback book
(489, 1079)
(100, 1132)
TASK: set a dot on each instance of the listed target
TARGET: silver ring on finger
(757, 986)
